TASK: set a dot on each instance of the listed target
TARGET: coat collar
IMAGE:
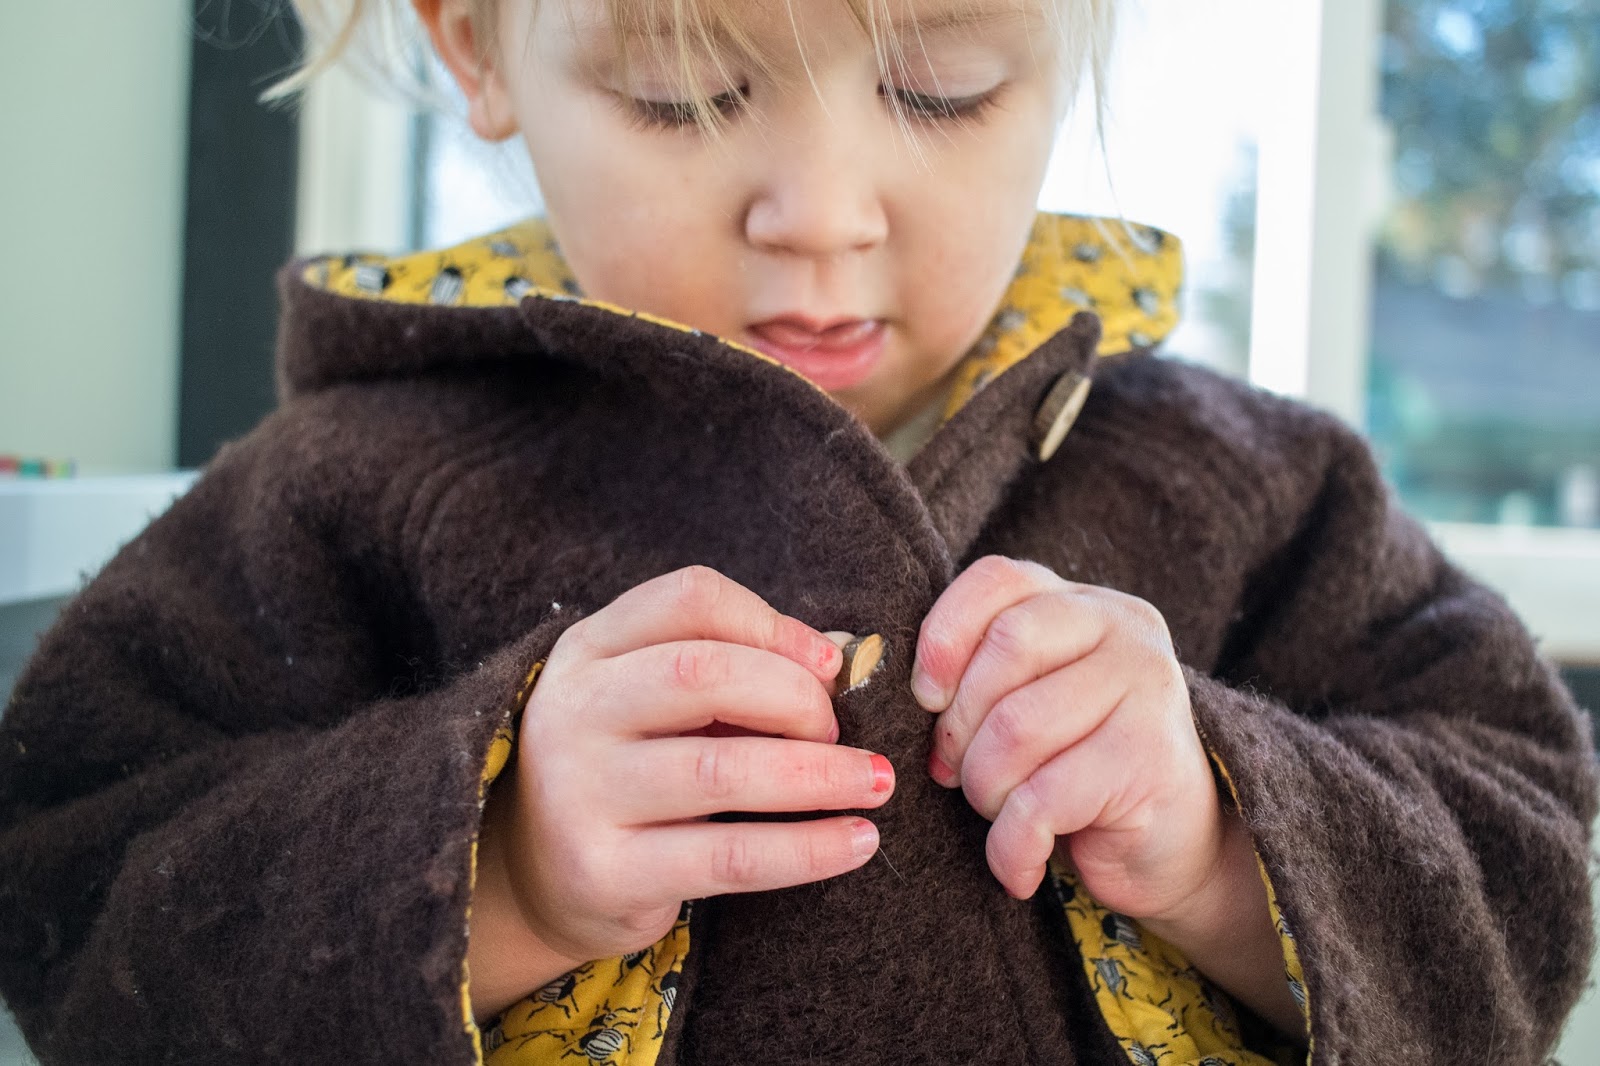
(1128, 275)
(367, 318)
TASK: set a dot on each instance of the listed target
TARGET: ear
(454, 31)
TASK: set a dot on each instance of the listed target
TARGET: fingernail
(863, 839)
(927, 692)
(882, 774)
(833, 733)
(1024, 895)
(838, 638)
(828, 656)
(941, 772)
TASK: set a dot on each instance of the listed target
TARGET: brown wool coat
(239, 781)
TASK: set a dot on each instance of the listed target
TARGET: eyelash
(949, 108)
(674, 114)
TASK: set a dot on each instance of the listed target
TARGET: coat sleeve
(1418, 783)
(234, 825)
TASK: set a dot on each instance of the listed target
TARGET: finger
(1033, 724)
(714, 858)
(955, 625)
(667, 689)
(841, 640)
(1021, 644)
(1066, 794)
(698, 603)
(680, 778)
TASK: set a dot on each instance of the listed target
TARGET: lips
(834, 355)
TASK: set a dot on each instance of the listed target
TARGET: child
(487, 701)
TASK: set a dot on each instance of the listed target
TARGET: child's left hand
(1066, 719)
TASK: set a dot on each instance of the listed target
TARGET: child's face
(815, 206)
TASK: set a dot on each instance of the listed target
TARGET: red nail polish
(941, 772)
(882, 774)
(828, 654)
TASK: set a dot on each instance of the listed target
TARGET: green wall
(92, 134)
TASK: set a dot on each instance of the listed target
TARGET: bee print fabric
(1128, 275)
(1161, 1009)
(612, 1011)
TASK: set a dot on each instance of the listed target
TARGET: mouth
(834, 355)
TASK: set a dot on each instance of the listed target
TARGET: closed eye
(675, 114)
(679, 114)
(949, 108)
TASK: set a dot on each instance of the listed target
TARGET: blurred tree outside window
(1484, 397)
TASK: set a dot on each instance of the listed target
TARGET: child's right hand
(625, 751)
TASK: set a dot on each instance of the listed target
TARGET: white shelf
(55, 534)
(1550, 576)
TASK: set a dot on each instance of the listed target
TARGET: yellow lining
(498, 755)
(611, 1011)
(1162, 1010)
(1129, 275)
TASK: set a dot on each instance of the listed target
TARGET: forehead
(601, 25)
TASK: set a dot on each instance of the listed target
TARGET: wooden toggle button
(1058, 411)
(861, 657)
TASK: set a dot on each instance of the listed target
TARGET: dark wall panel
(239, 228)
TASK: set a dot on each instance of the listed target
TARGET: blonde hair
(368, 35)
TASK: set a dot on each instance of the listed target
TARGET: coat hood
(499, 297)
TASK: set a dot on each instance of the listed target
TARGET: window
(1185, 161)
(1445, 328)
(1485, 375)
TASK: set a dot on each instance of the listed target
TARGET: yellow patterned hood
(1129, 275)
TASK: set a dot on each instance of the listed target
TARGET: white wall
(93, 131)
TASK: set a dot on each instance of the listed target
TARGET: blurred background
(1391, 208)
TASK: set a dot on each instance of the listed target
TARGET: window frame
(356, 180)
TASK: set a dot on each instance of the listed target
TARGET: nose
(817, 193)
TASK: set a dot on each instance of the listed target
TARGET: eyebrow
(598, 49)
(956, 18)
(596, 36)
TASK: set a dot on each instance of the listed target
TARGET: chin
(873, 419)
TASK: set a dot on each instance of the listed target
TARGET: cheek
(953, 278)
(627, 232)
(640, 257)
(960, 275)
(981, 224)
